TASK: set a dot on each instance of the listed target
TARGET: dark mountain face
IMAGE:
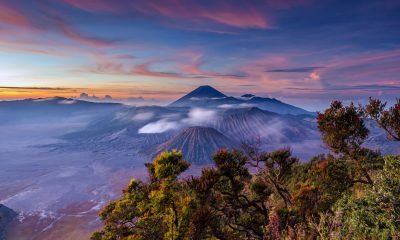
(274, 105)
(7, 215)
(248, 95)
(198, 144)
(208, 97)
(196, 96)
(204, 92)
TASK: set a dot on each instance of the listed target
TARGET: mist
(195, 117)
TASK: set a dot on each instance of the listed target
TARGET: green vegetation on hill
(351, 193)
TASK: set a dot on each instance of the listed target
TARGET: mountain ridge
(209, 97)
(198, 144)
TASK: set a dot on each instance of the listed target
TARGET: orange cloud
(314, 76)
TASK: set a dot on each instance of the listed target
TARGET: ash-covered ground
(57, 194)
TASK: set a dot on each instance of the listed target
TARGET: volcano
(198, 144)
(209, 97)
(202, 93)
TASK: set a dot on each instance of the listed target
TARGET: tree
(376, 215)
(328, 178)
(387, 119)
(229, 192)
(160, 209)
(343, 131)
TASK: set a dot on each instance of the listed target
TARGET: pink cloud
(314, 76)
(10, 15)
(221, 12)
(16, 17)
(81, 38)
(92, 5)
(144, 70)
(109, 68)
(245, 17)
(251, 18)
(366, 67)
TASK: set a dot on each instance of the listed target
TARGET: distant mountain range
(121, 130)
(54, 108)
(209, 97)
(199, 123)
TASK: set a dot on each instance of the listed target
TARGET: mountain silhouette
(209, 97)
(201, 93)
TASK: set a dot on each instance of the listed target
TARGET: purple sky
(303, 52)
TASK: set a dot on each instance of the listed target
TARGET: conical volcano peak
(198, 144)
(206, 91)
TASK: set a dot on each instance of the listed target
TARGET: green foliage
(328, 178)
(343, 131)
(387, 119)
(253, 194)
(155, 210)
(342, 128)
(240, 211)
(169, 165)
(376, 215)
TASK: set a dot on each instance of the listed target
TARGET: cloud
(49, 21)
(195, 117)
(244, 15)
(38, 88)
(143, 116)
(294, 70)
(144, 70)
(67, 101)
(93, 98)
(12, 16)
(160, 126)
(179, 70)
(68, 31)
(249, 18)
(92, 6)
(205, 98)
(108, 68)
(199, 117)
(241, 105)
(335, 90)
(124, 56)
(135, 99)
(314, 76)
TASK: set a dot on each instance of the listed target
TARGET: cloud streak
(245, 15)
(295, 70)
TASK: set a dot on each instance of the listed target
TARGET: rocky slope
(198, 144)
(7, 215)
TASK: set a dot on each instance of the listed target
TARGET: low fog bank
(49, 189)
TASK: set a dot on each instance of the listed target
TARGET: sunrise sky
(303, 52)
